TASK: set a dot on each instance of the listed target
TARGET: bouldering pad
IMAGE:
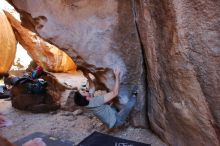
(49, 140)
(100, 139)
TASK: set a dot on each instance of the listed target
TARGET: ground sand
(73, 126)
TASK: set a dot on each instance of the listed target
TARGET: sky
(21, 52)
(25, 59)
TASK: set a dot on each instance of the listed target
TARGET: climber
(103, 111)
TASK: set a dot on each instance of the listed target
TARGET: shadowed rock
(181, 42)
(98, 35)
(179, 39)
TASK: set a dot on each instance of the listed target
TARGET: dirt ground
(73, 126)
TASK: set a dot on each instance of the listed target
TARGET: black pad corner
(100, 139)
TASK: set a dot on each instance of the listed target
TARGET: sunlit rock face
(7, 44)
(99, 35)
(182, 46)
(43, 53)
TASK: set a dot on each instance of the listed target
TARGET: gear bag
(37, 86)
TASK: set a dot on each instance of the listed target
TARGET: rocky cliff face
(179, 39)
(43, 53)
(98, 35)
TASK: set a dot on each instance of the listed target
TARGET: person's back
(102, 111)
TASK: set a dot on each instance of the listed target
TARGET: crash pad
(100, 139)
(49, 140)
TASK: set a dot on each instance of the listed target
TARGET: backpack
(37, 86)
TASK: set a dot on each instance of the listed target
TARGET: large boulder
(27, 95)
(36, 95)
(98, 35)
(7, 44)
(43, 53)
(182, 47)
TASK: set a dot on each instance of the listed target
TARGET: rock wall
(43, 53)
(99, 35)
(180, 40)
(7, 44)
(182, 47)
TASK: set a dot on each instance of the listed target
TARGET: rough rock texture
(99, 35)
(37, 103)
(43, 53)
(7, 44)
(26, 94)
(182, 47)
(54, 88)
